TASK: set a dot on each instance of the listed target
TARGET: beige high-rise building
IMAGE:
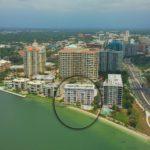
(79, 62)
(34, 59)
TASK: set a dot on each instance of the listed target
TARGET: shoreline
(107, 121)
(13, 93)
(117, 126)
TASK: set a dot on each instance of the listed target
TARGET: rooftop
(35, 47)
(79, 86)
(78, 51)
(72, 46)
(44, 77)
(51, 85)
(36, 82)
(2, 61)
(113, 80)
(21, 80)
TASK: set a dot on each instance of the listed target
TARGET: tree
(132, 121)
(129, 111)
(127, 99)
(115, 108)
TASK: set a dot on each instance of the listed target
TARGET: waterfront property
(36, 87)
(82, 94)
(113, 90)
(50, 89)
(20, 83)
(45, 87)
(8, 84)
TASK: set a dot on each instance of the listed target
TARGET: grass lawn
(144, 67)
(141, 120)
(122, 116)
(140, 117)
(1, 84)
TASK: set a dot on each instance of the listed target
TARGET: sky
(75, 13)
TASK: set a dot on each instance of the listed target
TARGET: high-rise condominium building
(34, 59)
(79, 93)
(131, 48)
(79, 62)
(116, 45)
(110, 61)
(113, 90)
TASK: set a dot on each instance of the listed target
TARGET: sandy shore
(118, 126)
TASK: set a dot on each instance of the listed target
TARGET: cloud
(77, 5)
(75, 13)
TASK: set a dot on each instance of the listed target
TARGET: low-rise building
(4, 65)
(8, 84)
(113, 91)
(20, 83)
(36, 86)
(51, 89)
(82, 94)
(17, 67)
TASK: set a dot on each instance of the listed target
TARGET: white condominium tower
(79, 62)
(34, 59)
(79, 93)
(113, 90)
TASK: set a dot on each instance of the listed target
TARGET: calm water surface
(28, 125)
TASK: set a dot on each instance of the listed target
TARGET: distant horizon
(71, 28)
(114, 14)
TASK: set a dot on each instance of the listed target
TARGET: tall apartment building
(77, 61)
(79, 93)
(34, 59)
(110, 61)
(131, 49)
(113, 90)
(116, 45)
(126, 36)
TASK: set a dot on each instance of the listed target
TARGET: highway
(141, 92)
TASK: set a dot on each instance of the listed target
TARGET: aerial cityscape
(68, 85)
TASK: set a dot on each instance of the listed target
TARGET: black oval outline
(56, 114)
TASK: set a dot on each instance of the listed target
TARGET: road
(141, 92)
